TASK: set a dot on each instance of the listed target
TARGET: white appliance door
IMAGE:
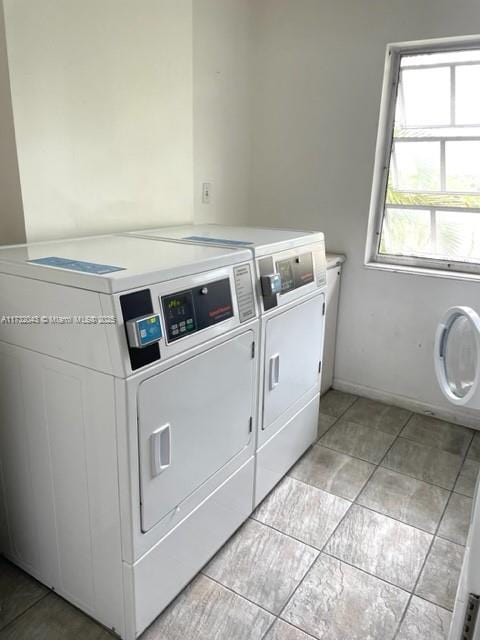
(293, 351)
(192, 420)
(466, 619)
(457, 356)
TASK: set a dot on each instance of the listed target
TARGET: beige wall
(102, 98)
(317, 85)
(12, 228)
(222, 101)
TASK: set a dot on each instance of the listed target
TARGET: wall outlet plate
(206, 192)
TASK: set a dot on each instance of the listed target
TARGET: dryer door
(293, 350)
(193, 419)
(457, 356)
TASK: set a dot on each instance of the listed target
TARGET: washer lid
(457, 356)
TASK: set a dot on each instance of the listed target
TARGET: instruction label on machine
(245, 294)
(76, 265)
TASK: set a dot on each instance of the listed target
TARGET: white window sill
(423, 271)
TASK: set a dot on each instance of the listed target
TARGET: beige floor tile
(262, 565)
(207, 611)
(456, 521)
(18, 591)
(423, 462)
(302, 511)
(338, 602)
(425, 621)
(438, 433)
(439, 580)
(378, 415)
(358, 440)
(407, 499)
(384, 547)
(54, 619)
(335, 403)
(467, 479)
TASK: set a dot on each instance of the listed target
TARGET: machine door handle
(161, 449)
(274, 371)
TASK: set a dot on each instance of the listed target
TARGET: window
(425, 209)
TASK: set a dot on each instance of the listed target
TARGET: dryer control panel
(191, 310)
(295, 272)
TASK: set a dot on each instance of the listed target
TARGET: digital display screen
(195, 309)
(179, 315)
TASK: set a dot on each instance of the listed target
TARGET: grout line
(269, 628)
(440, 606)
(308, 484)
(288, 535)
(290, 598)
(22, 613)
(292, 624)
(357, 398)
(240, 595)
(368, 573)
(387, 515)
(431, 446)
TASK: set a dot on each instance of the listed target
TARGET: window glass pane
(406, 232)
(458, 235)
(426, 97)
(416, 166)
(463, 165)
(467, 94)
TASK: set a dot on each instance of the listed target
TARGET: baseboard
(457, 415)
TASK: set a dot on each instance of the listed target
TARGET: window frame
(373, 257)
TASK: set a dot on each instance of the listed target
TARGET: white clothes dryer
(128, 376)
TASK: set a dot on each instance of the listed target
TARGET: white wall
(12, 228)
(102, 98)
(317, 85)
(222, 100)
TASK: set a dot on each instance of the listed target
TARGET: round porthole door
(457, 356)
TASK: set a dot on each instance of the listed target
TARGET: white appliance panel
(285, 447)
(168, 567)
(469, 582)
(193, 419)
(293, 351)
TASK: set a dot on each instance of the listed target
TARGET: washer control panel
(186, 312)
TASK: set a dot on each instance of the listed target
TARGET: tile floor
(362, 540)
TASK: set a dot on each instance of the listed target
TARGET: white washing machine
(457, 366)
(128, 377)
(291, 289)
